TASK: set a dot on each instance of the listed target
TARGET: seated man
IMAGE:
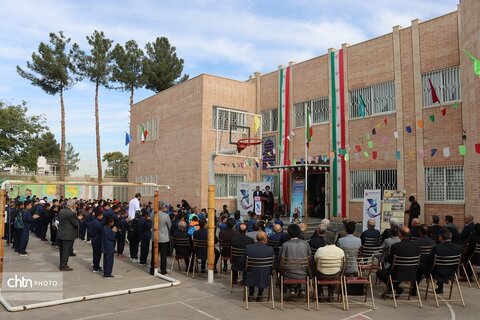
(423, 241)
(258, 277)
(394, 233)
(331, 252)
(387, 233)
(318, 237)
(202, 234)
(404, 248)
(468, 229)
(226, 236)
(445, 248)
(452, 228)
(294, 248)
(277, 233)
(239, 241)
(434, 229)
(371, 232)
(182, 251)
(415, 229)
(350, 245)
(473, 242)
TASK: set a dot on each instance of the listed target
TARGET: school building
(376, 124)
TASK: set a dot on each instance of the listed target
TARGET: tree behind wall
(96, 66)
(52, 69)
(117, 164)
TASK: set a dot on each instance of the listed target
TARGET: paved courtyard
(194, 298)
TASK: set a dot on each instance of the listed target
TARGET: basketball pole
(211, 218)
(3, 202)
(156, 207)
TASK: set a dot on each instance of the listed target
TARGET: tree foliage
(72, 159)
(48, 147)
(117, 164)
(161, 66)
(18, 134)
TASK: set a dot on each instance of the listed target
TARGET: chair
(400, 266)
(366, 280)
(275, 245)
(452, 262)
(338, 280)
(235, 253)
(225, 253)
(464, 262)
(260, 263)
(472, 266)
(295, 264)
(197, 244)
(371, 242)
(425, 250)
(178, 244)
(435, 237)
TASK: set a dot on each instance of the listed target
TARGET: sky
(227, 38)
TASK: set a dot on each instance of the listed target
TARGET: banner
(268, 149)
(298, 189)
(245, 191)
(393, 207)
(371, 207)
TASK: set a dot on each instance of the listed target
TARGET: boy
(95, 230)
(22, 223)
(121, 225)
(108, 247)
(145, 233)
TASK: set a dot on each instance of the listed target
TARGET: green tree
(72, 159)
(52, 69)
(48, 147)
(96, 66)
(18, 134)
(117, 164)
(161, 66)
(127, 67)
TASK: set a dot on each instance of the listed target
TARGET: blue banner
(298, 189)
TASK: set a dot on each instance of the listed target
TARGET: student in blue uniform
(23, 221)
(108, 247)
(122, 226)
(95, 229)
(145, 233)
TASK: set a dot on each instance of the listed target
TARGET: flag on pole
(308, 128)
(363, 106)
(144, 134)
(433, 92)
(476, 63)
(128, 138)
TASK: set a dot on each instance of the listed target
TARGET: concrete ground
(196, 299)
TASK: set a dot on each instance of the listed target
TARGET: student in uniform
(121, 224)
(95, 230)
(23, 221)
(133, 238)
(145, 233)
(108, 247)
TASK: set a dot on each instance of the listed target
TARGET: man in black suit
(258, 277)
(434, 229)
(445, 248)
(67, 232)
(452, 228)
(415, 229)
(183, 251)
(468, 229)
(414, 210)
(423, 241)
(371, 232)
(270, 201)
(202, 234)
(239, 241)
(226, 236)
(404, 248)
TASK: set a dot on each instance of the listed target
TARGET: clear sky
(221, 37)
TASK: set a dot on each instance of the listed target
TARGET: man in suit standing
(257, 194)
(414, 210)
(239, 241)
(270, 201)
(164, 226)
(258, 277)
(67, 232)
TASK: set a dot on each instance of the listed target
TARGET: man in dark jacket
(452, 228)
(202, 234)
(95, 228)
(468, 229)
(239, 241)
(445, 248)
(371, 233)
(225, 237)
(183, 251)
(424, 241)
(434, 229)
(258, 277)
(67, 233)
(270, 201)
(413, 211)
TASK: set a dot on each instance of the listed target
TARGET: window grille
(227, 118)
(446, 83)
(270, 120)
(379, 98)
(146, 191)
(226, 184)
(318, 107)
(362, 180)
(151, 126)
(444, 184)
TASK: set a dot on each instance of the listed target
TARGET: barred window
(151, 127)
(379, 98)
(318, 107)
(270, 120)
(444, 184)
(227, 118)
(226, 184)
(146, 191)
(446, 83)
(362, 180)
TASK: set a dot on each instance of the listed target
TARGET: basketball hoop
(245, 142)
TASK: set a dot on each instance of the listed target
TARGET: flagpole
(305, 196)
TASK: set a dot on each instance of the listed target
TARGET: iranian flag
(308, 127)
(144, 134)
(283, 132)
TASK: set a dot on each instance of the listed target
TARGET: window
(446, 83)
(151, 127)
(379, 98)
(226, 185)
(444, 184)
(270, 120)
(227, 118)
(371, 179)
(146, 191)
(318, 108)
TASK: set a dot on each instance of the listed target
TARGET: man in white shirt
(134, 206)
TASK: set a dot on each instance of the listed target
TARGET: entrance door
(317, 195)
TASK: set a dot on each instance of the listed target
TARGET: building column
(330, 128)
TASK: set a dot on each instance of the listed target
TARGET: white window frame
(151, 126)
(230, 190)
(447, 84)
(270, 120)
(367, 180)
(319, 108)
(240, 117)
(376, 98)
(444, 195)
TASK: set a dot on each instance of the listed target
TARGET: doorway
(317, 195)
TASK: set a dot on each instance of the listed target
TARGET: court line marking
(452, 312)
(198, 310)
(361, 314)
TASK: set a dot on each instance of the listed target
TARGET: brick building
(412, 142)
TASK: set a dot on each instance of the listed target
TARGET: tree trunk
(97, 136)
(62, 143)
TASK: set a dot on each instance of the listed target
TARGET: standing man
(414, 210)
(257, 194)
(270, 201)
(67, 232)
(319, 204)
(134, 206)
(164, 225)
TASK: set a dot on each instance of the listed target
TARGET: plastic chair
(366, 280)
(197, 244)
(235, 253)
(295, 264)
(260, 263)
(446, 261)
(224, 246)
(473, 266)
(401, 264)
(338, 281)
(177, 244)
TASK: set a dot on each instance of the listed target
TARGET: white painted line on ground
(198, 310)
(361, 314)
(452, 312)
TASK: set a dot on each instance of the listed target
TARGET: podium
(259, 205)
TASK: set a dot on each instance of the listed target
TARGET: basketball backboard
(233, 125)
